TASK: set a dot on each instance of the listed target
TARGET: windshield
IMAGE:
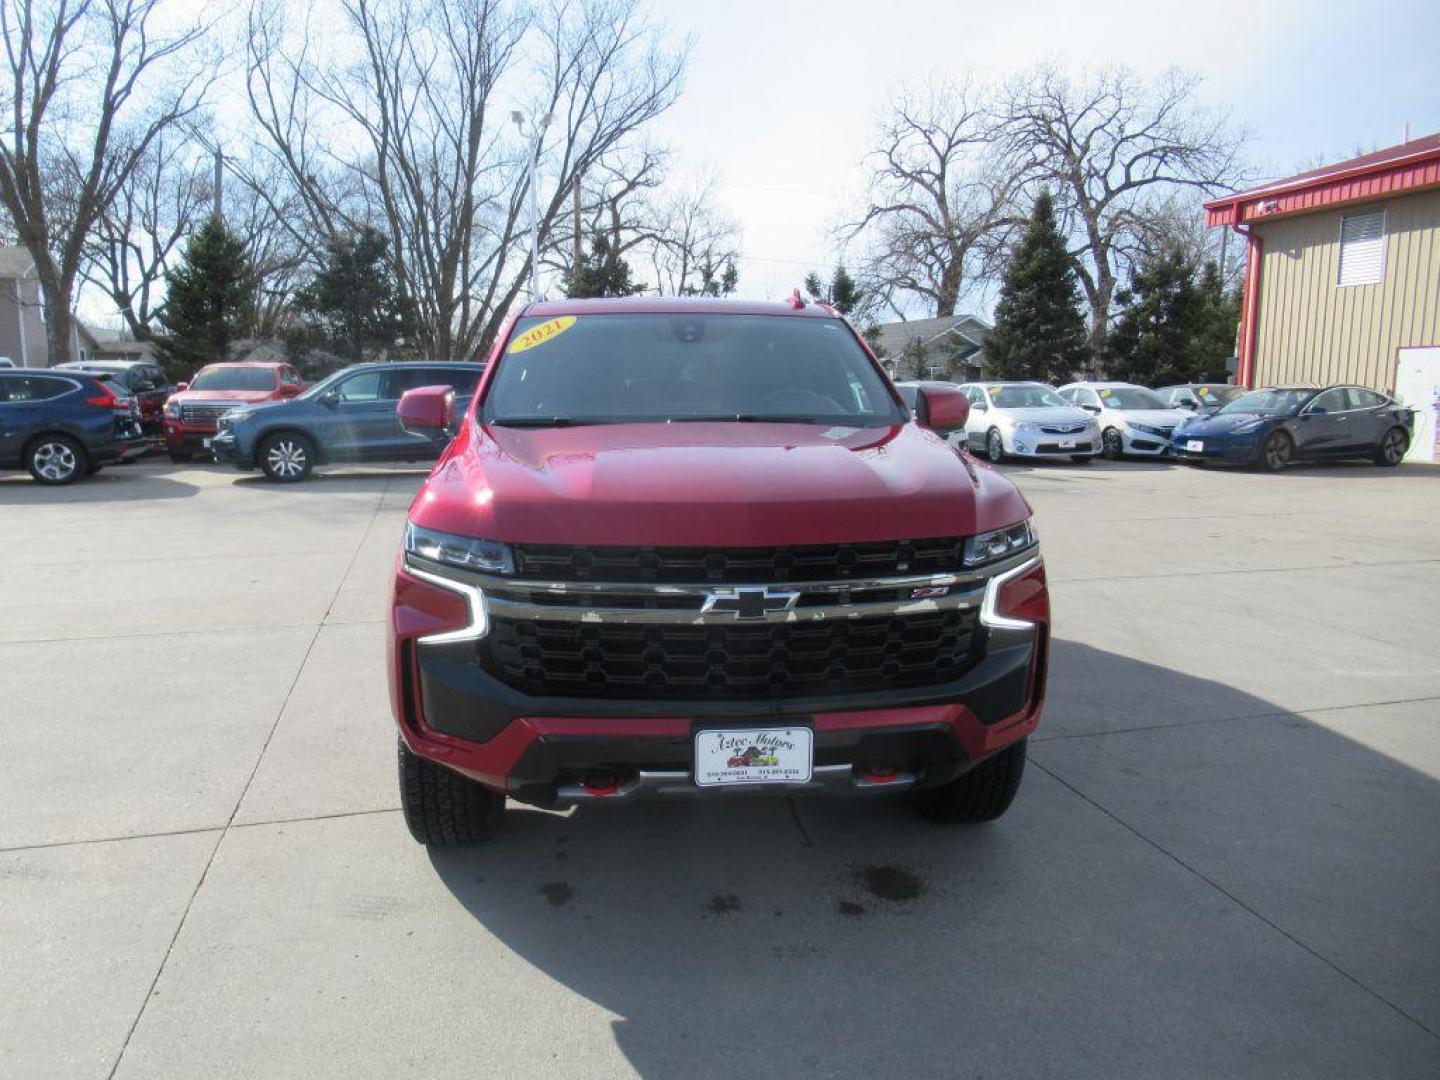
(1268, 403)
(642, 368)
(234, 378)
(1210, 396)
(1126, 398)
(1027, 396)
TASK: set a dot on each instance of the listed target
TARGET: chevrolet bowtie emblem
(753, 603)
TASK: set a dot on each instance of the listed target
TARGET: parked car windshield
(639, 368)
(234, 378)
(1130, 397)
(1028, 396)
(1217, 395)
(1268, 403)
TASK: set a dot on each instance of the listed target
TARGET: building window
(1362, 249)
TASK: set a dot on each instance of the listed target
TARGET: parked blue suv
(62, 425)
(348, 417)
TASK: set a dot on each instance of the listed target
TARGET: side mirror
(941, 409)
(1091, 409)
(428, 411)
(180, 387)
(979, 406)
(1189, 406)
(289, 390)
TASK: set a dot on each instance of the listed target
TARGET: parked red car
(667, 530)
(191, 412)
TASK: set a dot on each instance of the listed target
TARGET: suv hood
(711, 484)
(239, 397)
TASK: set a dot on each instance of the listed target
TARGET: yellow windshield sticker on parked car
(1107, 393)
(539, 335)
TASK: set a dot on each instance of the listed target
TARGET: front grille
(746, 566)
(774, 660)
(196, 411)
(1063, 429)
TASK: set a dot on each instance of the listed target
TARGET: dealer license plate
(754, 756)
(1067, 444)
(1194, 445)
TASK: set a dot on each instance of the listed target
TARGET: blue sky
(781, 98)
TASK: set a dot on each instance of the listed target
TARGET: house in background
(22, 315)
(1342, 278)
(951, 347)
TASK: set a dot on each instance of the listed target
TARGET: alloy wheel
(55, 461)
(1394, 446)
(1113, 446)
(286, 459)
(1277, 452)
(995, 446)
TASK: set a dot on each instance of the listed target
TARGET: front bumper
(1045, 445)
(1144, 444)
(227, 450)
(187, 437)
(1232, 449)
(558, 750)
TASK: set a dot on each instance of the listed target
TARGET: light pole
(536, 133)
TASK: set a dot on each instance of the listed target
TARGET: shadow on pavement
(117, 483)
(1118, 922)
(323, 479)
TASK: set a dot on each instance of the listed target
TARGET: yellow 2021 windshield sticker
(539, 335)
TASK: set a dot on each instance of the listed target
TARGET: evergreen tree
(843, 294)
(1176, 324)
(209, 301)
(1039, 330)
(601, 273)
(353, 307)
(716, 279)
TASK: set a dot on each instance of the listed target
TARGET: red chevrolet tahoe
(191, 414)
(702, 548)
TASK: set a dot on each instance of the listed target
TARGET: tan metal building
(1342, 270)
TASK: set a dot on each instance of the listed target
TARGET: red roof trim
(1399, 170)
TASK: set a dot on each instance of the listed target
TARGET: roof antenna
(796, 301)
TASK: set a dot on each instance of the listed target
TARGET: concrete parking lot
(1224, 861)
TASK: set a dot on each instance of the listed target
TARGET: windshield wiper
(747, 418)
(539, 421)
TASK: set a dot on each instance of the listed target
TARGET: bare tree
(135, 238)
(440, 172)
(89, 87)
(939, 207)
(1112, 149)
(696, 245)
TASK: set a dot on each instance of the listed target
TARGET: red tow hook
(880, 775)
(600, 786)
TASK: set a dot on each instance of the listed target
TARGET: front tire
(982, 794)
(1391, 450)
(1277, 451)
(1113, 445)
(443, 808)
(994, 446)
(56, 460)
(286, 457)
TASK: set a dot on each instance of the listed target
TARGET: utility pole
(536, 133)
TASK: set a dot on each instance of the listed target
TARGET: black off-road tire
(181, 457)
(443, 808)
(1391, 450)
(1277, 452)
(56, 459)
(982, 794)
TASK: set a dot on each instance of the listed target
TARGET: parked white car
(1027, 419)
(1133, 420)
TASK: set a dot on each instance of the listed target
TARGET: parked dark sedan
(348, 417)
(1281, 424)
(1206, 399)
(62, 425)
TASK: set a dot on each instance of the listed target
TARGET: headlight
(989, 547)
(172, 409)
(465, 552)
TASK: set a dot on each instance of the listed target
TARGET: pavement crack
(1223, 891)
(805, 840)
